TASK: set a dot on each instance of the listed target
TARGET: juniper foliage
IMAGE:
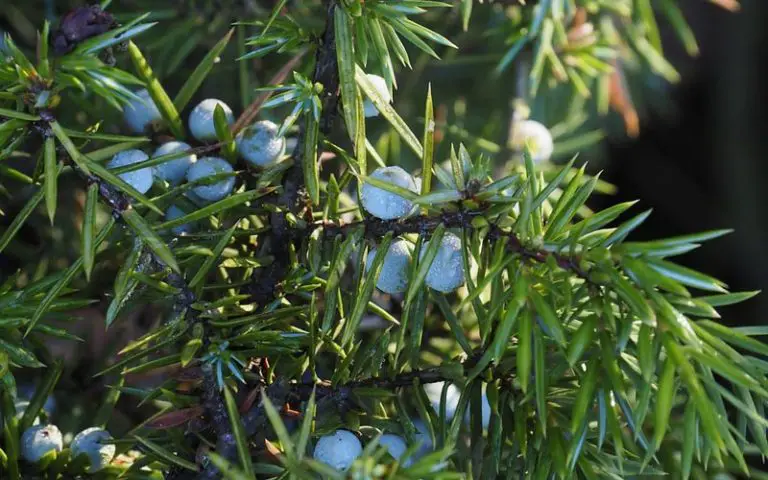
(571, 350)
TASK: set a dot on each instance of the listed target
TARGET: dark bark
(266, 284)
(423, 224)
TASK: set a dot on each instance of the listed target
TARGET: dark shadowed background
(705, 168)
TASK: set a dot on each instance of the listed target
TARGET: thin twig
(253, 109)
(425, 376)
(422, 224)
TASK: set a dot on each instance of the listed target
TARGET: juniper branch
(264, 286)
(424, 224)
(226, 445)
(281, 238)
(254, 421)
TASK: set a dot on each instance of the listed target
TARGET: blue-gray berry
(485, 411)
(338, 450)
(26, 392)
(434, 393)
(201, 123)
(446, 273)
(396, 446)
(172, 213)
(140, 179)
(139, 113)
(21, 405)
(452, 395)
(423, 439)
(259, 144)
(537, 137)
(38, 440)
(369, 109)
(174, 171)
(207, 167)
(387, 205)
(95, 443)
(393, 277)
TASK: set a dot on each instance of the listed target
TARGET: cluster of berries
(446, 273)
(258, 144)
(341, 448)
(45, 441)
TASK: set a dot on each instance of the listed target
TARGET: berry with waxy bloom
(434, 393)
(172, 213)
(446, 273)
(201, 123)
(259, 144)
(140, 179)
(384, 204)
(338, 450)
(369, 109)
(452, 395)
(38, 440)
(95, 443)
(423, 438)
(141, 112)
(207, 167)
(536, 137)
(396, 446)
(174, 171)
(393, 276)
